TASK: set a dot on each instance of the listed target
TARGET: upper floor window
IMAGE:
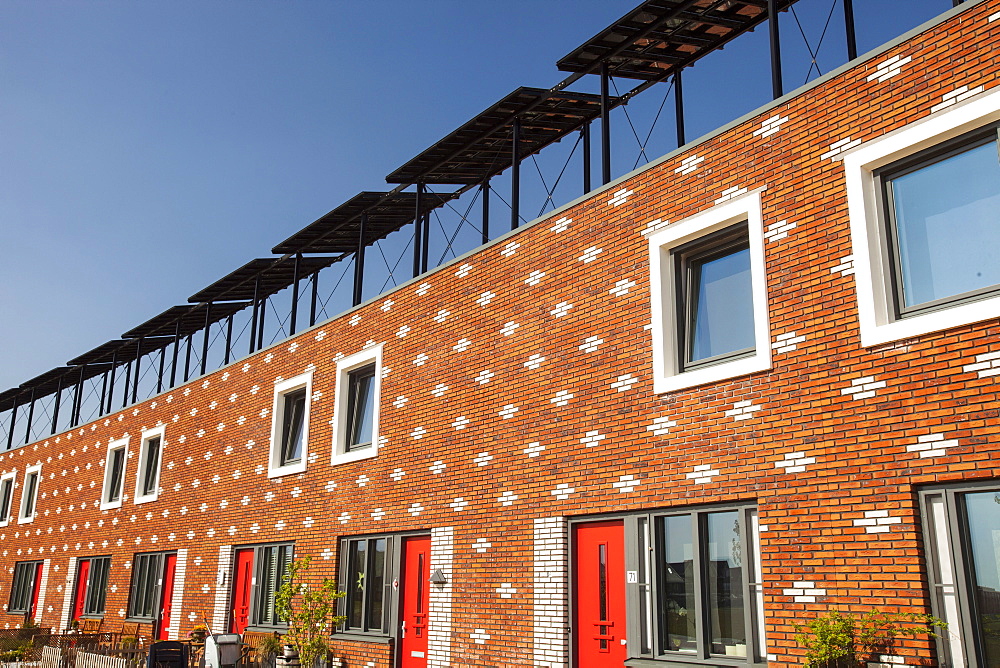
(114, 474)
(6, 496)
(24, 589)
(147, 482)
(29, 493)
(290, 425)
(924, 224)
(709, 298)
(355, 413)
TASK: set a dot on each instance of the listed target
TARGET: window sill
(362, 637)
(710, 374)
(874, 333)
(25, 520)
(354, 456)
(715, 661)
(281, 471)
(110, 505)
(145, 499)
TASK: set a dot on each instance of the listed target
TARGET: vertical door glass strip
(376, 585)
(983, 510)
(645, 593)
(602, 590)
(726, 612)
(356, 562)
(757, 585)
(677, 585)
(944, 579)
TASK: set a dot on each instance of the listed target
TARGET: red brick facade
(517, 386)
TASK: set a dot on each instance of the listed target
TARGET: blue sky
(149, 148)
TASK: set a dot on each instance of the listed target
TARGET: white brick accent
(838, 147)
(463, 271)
(561, 309)
(506, 590)
(510, 248)
(654, 226)
(562, 397)
(931, 445)
(561, 225)
(220, 606)
(508, 411)
(794, 462)
(770, 126)
(507, 498)
(440, 599)
(620, 197)
(43, 585)
(622, 287)
(480, 636)
(887, 69)
(889, 661)
(590, 254)
(787, 342)
(742, 410)
(877, 521)
(661, 426)
(625, 382)
(535, 277)
(591, 344)
(592, 438)
(486, 298)
(67, 610)
(482, 459)
(701, 474)
(508, 328)
(534, 361)
(626, 484)
(438, 466)
(551, 607)
(177, 602)
(956, 96)
(481, 545)
(533, 449)
(689, 164)
(994, 17)
(986, 365)
(845, 266)
(778, 230)
(415, 509)
(730, 193)
(863, 388)
(804, 592)
(458, 504)
(563, 491)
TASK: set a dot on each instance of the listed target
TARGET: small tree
(310, 611)
(839, 640)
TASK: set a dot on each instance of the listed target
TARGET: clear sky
(147, 148)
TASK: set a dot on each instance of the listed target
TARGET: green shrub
(844, 640)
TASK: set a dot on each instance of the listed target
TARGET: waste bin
(222, 649)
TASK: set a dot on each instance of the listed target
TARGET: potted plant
(198, 633)
(309, 608)
(844, 640)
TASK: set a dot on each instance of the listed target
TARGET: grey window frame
(290, 419)
(262, 613)
(29, 494)
(152, 573)
(958, 534)
(147, 483)
(95, 593)
(885, 206)
(644, 591)
(23, 587)
(353, 381)
(684, 257)
(6, 499)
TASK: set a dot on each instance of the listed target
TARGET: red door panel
(599, 611)
(166, 597)
(415, 584)
(34, 612)
(81, 589)
(242, 586)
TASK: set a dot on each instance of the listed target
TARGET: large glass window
(942, 210)
(147, 583)
(290, 426)
(292, 431)
(356, 406)
(6, 497)
(963, 545)
(361, 407)
(29, 494)
(694, 590)
(271, 564)
(92, 585)
(114, 474)
(148, 478)
(24, 589)
(364, 578)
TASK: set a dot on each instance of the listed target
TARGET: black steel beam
(515, 174)
(679, 108)
(359, 262)
(605, 126)
(485, 188)
(852, 42)
(775, 41)
(295, 295)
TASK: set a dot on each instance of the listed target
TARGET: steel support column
(260, 324)
(138, 363)
(161, 370)
(314, 298)
(585, 132)
(295, 295)
(187, 357)
(13, 422)
(229, 339)
(173, 363)
(852, 42)
(515, 174)
(31, 416)
(359, 261)
(204, 338)
(772, 21)
(425, 250)
(485, 189)
(111, 385)
(417, 230)
(679, 108)
(78, 399)
(253, 318)
(605, 124)
(104, 393)
(128, 380)
(55, 409)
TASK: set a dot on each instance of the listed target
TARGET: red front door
(599, 612)
(34, 612)
(242, 585)
(415, 584)
(167, 597)
(81, 588)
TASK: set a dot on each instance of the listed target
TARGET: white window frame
(22, 518)
(281, 388)
(668, 375)
(872, 271)
(344, 368)
(121, 443)
(147, 436)
(12, 477)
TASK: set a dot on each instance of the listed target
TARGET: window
(147, 482)
(91, 586)
(355, 417)
(270, 565)
(366, 579)
(147, 585)
(290, 426)
(24, 590)
(694, 588)
(114, 474)
(6, 496)
(962, 538)
(709, 297)
(29, 494)
(924, 227)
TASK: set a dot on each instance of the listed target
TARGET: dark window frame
(262, 614)
(293, 410)
(686, 259)
(643, 593)
(957, 530)
(147, 573)
(23, 587)
(29, 494)
(108, 495)
(6, 498)
(887, 222)
(355, 377)
(148, 477)
(95, 592)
